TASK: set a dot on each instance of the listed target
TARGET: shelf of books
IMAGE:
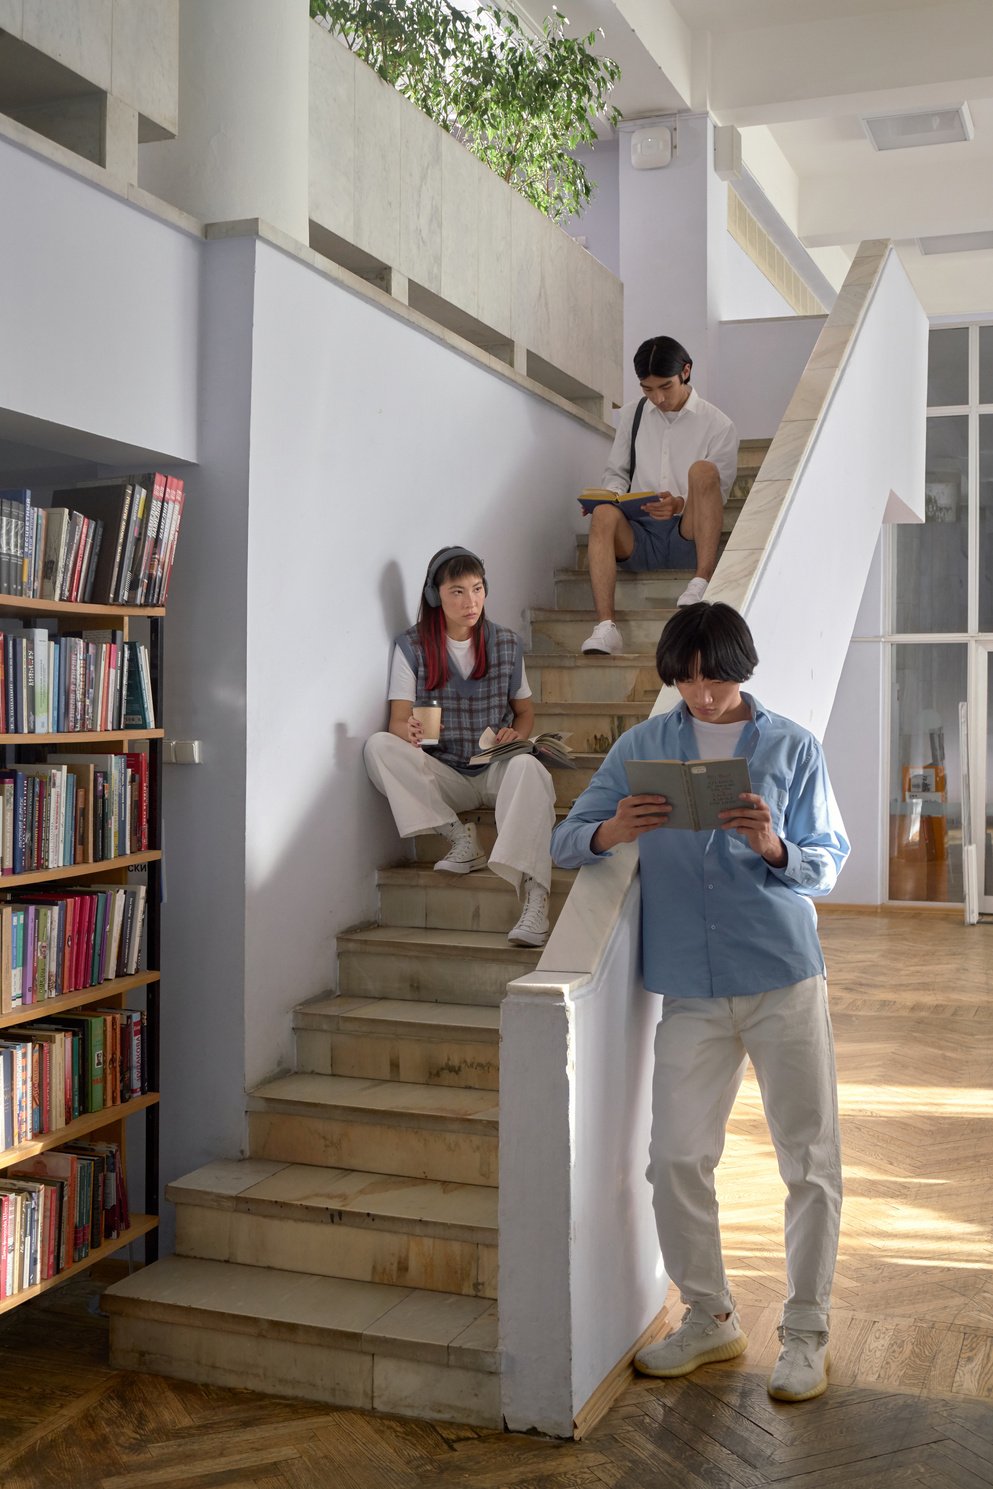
(83, 578)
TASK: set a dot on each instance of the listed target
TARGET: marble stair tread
(637, 707)
(660, 613)
(349, 1097)
(537, 660)
(302, 1191)
(400, 1016)
(484, 880)
(418, 941)
(447, 1329)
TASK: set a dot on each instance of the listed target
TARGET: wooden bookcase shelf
(82, 741)
(141, 1225)
(108, 1123)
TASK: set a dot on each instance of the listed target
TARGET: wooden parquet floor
(911, 1399)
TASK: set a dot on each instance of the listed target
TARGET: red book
(138, 762)
(5, 1203)
(85, 543)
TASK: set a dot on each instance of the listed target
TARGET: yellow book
(596, 496)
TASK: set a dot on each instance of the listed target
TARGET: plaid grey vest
(469, 705)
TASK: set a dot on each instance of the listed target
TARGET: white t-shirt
(668, 444)
(717, 741)
(403, 684)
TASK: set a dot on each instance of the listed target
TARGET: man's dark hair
(660, 356)
(714, 638)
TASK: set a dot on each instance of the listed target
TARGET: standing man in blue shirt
(729, 939)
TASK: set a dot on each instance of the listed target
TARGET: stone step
(413, 894)
(381, 1127)
(429, 847)
(437, 966)
(335, 1222)
(562, 632)
(365, 1345)
(593, 727)
(649, 591)
(593, 679)
(395, 1039)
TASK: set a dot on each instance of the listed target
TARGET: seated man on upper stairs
(673, 443)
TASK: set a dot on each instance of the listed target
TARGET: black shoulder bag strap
(634, 435)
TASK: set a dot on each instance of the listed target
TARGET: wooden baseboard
(621, 1376)
(935, 907)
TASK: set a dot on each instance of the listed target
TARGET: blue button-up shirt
(717, 920)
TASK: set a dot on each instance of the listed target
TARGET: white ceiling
(795, 76)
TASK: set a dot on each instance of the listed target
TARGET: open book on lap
(551, 749)
(630, 502)
(697, 789)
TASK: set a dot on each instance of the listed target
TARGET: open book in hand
(697, 789)
(551, 749)
(630, 502)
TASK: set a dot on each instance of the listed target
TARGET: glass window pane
(986, 522)
(929, 682)
(986, 364)
(948, 367)
(931, 590)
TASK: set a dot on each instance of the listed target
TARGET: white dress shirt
(668, 444)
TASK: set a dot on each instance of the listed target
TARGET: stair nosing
(345, 1103)
(126, 1298)
(351, 1214)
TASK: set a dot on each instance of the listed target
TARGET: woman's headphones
(441, 558)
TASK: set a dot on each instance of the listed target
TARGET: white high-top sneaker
(532, 927)
(465, 854)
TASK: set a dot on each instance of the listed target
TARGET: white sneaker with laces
(464, 854)
(532, 927)
(801, 1372)
(700, 1339)
(605, 641)
(694, 592)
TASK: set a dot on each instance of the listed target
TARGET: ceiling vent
(956, 243)
(920, 127)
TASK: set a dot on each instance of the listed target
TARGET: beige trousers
(423, 793)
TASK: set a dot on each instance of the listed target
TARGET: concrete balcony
(400, 202)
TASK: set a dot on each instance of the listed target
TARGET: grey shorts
(659, 545)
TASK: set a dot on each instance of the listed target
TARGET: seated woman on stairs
(475, 670)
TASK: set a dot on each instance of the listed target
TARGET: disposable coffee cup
(428, 715)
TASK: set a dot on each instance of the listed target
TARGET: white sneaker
(693, 593)
(801, 1371)
(532, 927)
(464, 854)
(606, 640)
(699, 1339)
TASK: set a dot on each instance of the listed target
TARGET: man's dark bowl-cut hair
(713, 637)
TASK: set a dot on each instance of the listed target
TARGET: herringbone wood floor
(911, 1400)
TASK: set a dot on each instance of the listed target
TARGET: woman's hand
(415, 731)
(635, 816)
(753, 820)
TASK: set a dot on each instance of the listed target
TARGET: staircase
(352, 1258)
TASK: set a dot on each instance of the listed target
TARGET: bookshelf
(140, 987)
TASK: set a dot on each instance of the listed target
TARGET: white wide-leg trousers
(423, 793)
(701, 1048)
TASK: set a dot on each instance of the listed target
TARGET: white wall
(203, 922)
(759, 363)
(86, 342)
(580, 1272)
(598, 223)
(748, 295)
(373, 445)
